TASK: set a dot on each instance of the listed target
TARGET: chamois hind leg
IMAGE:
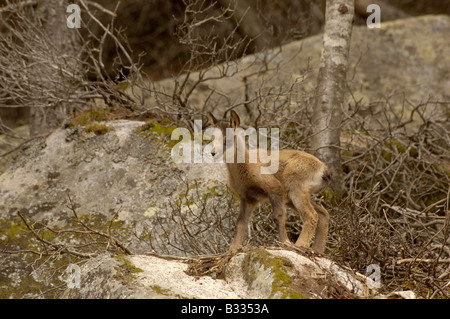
(302, 203)
(245, 213)
(322, 228)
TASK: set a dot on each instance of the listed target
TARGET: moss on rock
(85, 118)
(160, 131)
(97, 129)
(278, 269)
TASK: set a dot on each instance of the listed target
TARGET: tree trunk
(61, 39)
(327, 113)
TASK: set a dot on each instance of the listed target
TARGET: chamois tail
(326, 176)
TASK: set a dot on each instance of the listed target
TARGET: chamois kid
(299, 175)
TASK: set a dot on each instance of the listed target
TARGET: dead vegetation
(394, 211)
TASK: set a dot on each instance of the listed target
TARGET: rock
(404, 58)
(407, 294)
(257, 273)
(121, 167)
(124, 175)
(143, 277)
(9, 142)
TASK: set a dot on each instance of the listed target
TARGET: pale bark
(327, 114)
(63, 48)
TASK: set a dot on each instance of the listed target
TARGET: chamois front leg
(279, 213)
(245, 213)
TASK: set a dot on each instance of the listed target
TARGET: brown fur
(299, 175)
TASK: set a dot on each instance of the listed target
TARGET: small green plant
(87, 117)
(98, 129)
(161, 129)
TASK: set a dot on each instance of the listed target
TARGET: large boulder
(115, 181)
(402, 64)
(255, 273)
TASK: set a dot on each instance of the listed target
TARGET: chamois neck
(234, 163)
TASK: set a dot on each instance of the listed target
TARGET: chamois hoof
(235, 250)
(303, 247)
(287, 244)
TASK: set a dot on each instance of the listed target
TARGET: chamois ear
(211, 118)
(234, 120)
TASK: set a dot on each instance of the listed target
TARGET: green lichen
(102, 223)
(126, 271)
(16, 237)
(90, 116)
(395, 147)
(199, 193)
(159, 131)
(98, 129)
(160, 291)
(26, 287)
(163, 128)
(165, 292)
(281, 270)
(21, 283)
(13, 231)
(131, 267)
(15, 234)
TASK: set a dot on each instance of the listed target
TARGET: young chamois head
(220, 146)
(231, 144)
